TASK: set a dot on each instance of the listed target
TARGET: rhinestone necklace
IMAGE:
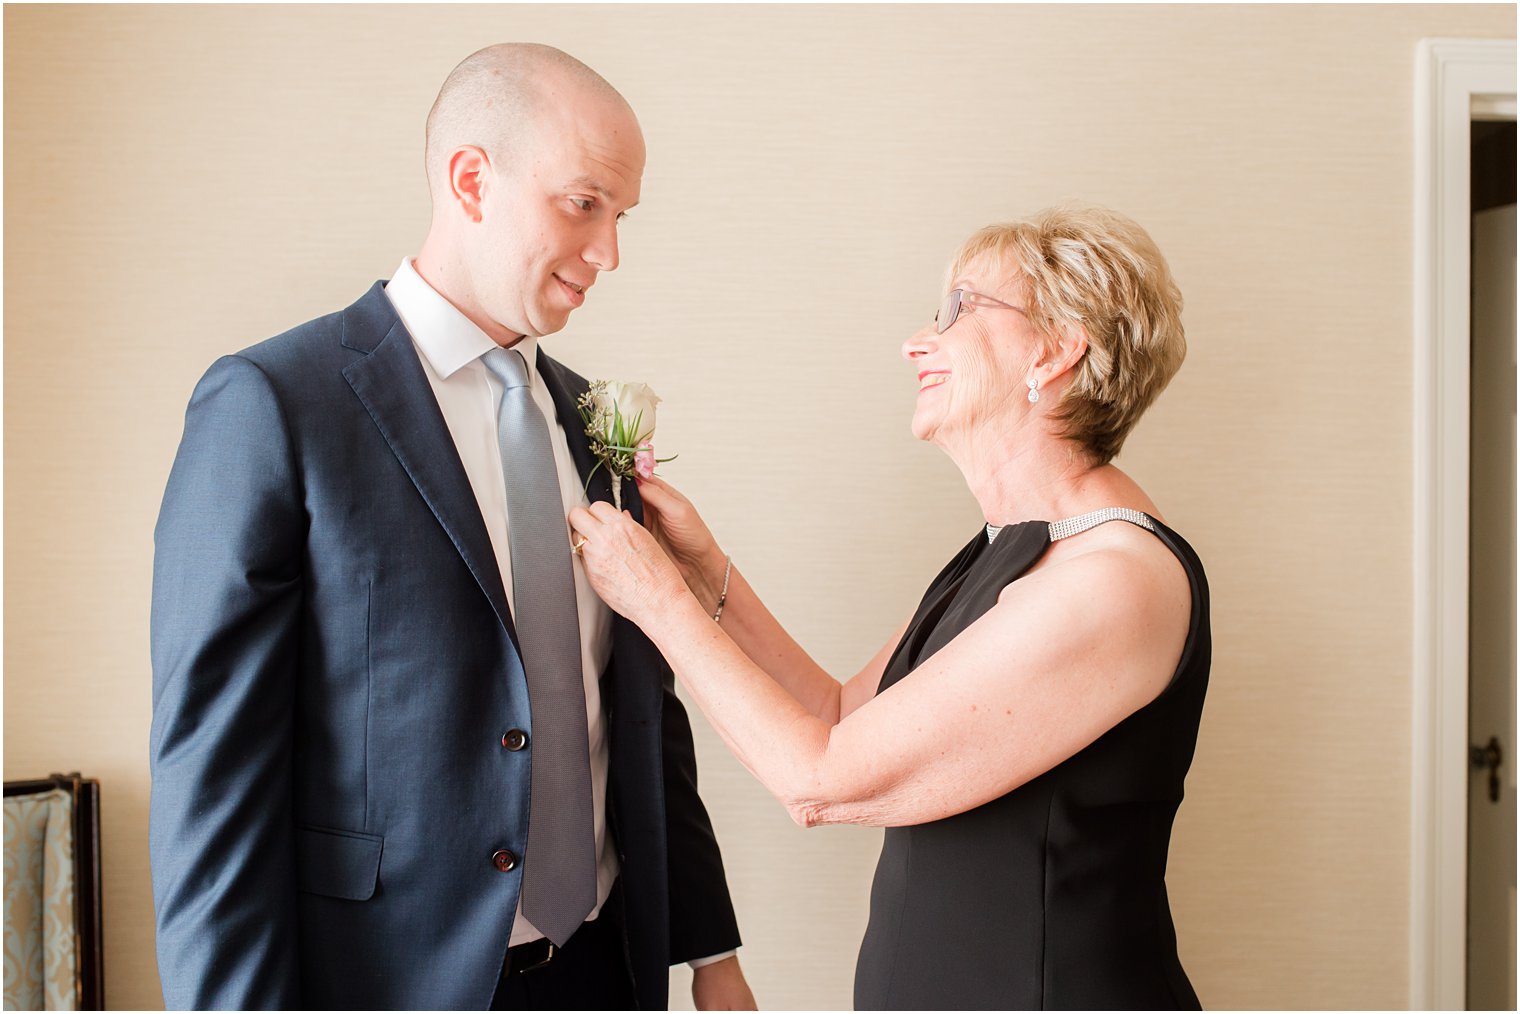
(1077, 525)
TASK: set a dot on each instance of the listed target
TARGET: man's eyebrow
(588, 183)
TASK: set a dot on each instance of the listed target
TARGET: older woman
(1024, 737)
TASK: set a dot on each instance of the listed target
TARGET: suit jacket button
(505, 861)
(514, 740)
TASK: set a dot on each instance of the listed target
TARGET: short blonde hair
(1096, 269)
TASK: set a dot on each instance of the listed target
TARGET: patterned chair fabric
(39, 902)
(51, 896)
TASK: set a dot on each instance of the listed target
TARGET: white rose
(634, 401)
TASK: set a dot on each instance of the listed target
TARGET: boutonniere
(620, 425)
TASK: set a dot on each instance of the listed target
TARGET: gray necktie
(559, 871)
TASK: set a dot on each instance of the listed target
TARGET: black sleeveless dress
(1054, 895)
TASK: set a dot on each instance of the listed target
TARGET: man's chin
(548, 324)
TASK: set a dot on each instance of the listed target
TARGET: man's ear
(467, 169)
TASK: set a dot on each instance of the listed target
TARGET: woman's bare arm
(1068, 652)
(761, 637)
(750, 624)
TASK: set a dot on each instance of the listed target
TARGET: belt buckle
(548, 957)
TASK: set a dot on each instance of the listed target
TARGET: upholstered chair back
(46, 926)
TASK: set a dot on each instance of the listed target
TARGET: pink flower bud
(643, 461)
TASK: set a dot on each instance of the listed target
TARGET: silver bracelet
(728, 567)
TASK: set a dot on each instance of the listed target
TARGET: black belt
(527, 957)
(538, 953)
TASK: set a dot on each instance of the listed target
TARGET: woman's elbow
(822, 790)
(808, 798)
(814, 797)
(805, 797)
(806, 813)
(868, 812)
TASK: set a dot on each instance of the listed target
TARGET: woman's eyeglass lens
(955, 299)
(948, 311)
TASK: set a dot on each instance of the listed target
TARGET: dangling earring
(1034, 390)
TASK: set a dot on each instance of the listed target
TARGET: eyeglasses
(957, 298)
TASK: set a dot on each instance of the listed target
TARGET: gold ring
(575, 548)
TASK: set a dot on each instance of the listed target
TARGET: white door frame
(1454, 77)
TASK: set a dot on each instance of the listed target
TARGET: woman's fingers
(664, 500)
(655, 493)
(582, 520)
(600, 523)
(673, 494)
(665, 495)
(625, 565)
(604, 512)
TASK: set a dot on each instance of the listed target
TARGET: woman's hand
(625, 565)
(685, 537)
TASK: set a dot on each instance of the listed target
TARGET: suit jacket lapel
(632, 650)
(394, 390)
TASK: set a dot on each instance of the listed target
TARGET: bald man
(403, 756)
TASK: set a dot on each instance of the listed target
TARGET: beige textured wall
(181, 182)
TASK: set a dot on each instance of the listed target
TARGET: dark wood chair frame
(90, 982)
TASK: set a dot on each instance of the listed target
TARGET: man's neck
(445, 278)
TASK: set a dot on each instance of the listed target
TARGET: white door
(1491, 644)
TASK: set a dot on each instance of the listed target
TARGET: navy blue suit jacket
(334, 665)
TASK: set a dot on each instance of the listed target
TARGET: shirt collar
(446, 338)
